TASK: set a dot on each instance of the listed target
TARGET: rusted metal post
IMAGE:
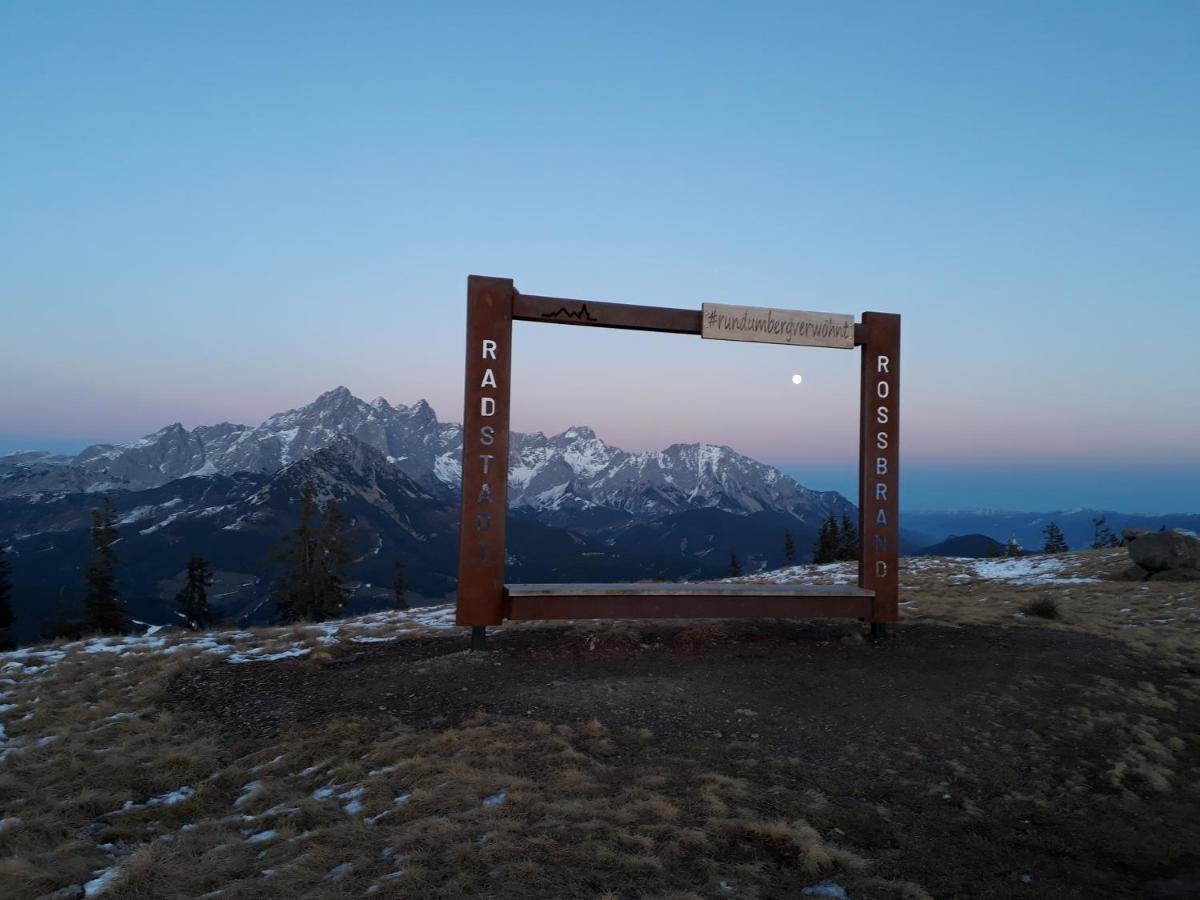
(481, 550)
(878, 477)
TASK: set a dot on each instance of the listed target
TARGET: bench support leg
(478, 637)
(881, 631)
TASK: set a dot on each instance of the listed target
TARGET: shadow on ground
(975, 761)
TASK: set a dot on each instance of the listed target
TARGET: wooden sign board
(777, 326)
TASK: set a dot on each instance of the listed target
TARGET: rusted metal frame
(481, 549)
(599, 314)
(492, 305)
(696, 606)
(879, 456)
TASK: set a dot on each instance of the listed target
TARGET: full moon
(796, 379)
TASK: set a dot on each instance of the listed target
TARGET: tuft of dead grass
(1043, 608)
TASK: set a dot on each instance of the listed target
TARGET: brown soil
(974, 761)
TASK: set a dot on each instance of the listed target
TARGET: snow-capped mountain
(410, 437)
(563, 474)
(582, 510)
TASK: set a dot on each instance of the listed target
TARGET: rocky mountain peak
(572, 470)
(575, 433)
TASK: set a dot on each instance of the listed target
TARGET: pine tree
(847, 540)
(1013, 547)
(104, 611)
(1103, 536)
(827, 542)
(335, 556)
(6, 605)
(789, 548)
(193, 597)
(735, 566)
(312, 585)
(399, 584)
(295, 587)
(1055, 541)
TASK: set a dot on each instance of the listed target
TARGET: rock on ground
(1135, 573)
(1181, 574)
(1161, 551)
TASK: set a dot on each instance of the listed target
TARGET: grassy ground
(1029, 739)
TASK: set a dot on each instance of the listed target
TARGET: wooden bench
(661, 600)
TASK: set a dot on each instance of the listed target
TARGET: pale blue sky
(216, 211)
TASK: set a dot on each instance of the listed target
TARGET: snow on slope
(572, 470)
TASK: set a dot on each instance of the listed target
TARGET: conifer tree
(847, 540)
(104, 611)
(193, 596)
(1055, 541)
(399, 584)
(789, 548)
(335, 556)
(735, 566)
(6, 605)
(1013, 547)
(295, 587)
(312, 585)
(1103, 536)
(827, 542)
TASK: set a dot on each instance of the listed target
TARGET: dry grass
(491, 808)
(1161, 619)
(93, 774)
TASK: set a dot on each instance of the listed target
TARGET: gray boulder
(1184, 574)
(1132, 534)
(1135, 573)
(1161, 551)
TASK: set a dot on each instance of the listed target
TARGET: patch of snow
(262, 836)
(172, 797)
(272, 762)
(495, 799)
(391, 876)
(825, 889)
(248, 791)
(99, 884)
(259, 654)
(1025, 570)
(447, 468)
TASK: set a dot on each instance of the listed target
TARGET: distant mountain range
(927, 528)
(580, 510)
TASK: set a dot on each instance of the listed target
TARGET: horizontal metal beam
(560, 311)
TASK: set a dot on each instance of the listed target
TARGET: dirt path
(975, 761)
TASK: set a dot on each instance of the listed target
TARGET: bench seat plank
(671, 589)
(664, 600)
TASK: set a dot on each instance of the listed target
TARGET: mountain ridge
(571, 470)
(580, 509)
